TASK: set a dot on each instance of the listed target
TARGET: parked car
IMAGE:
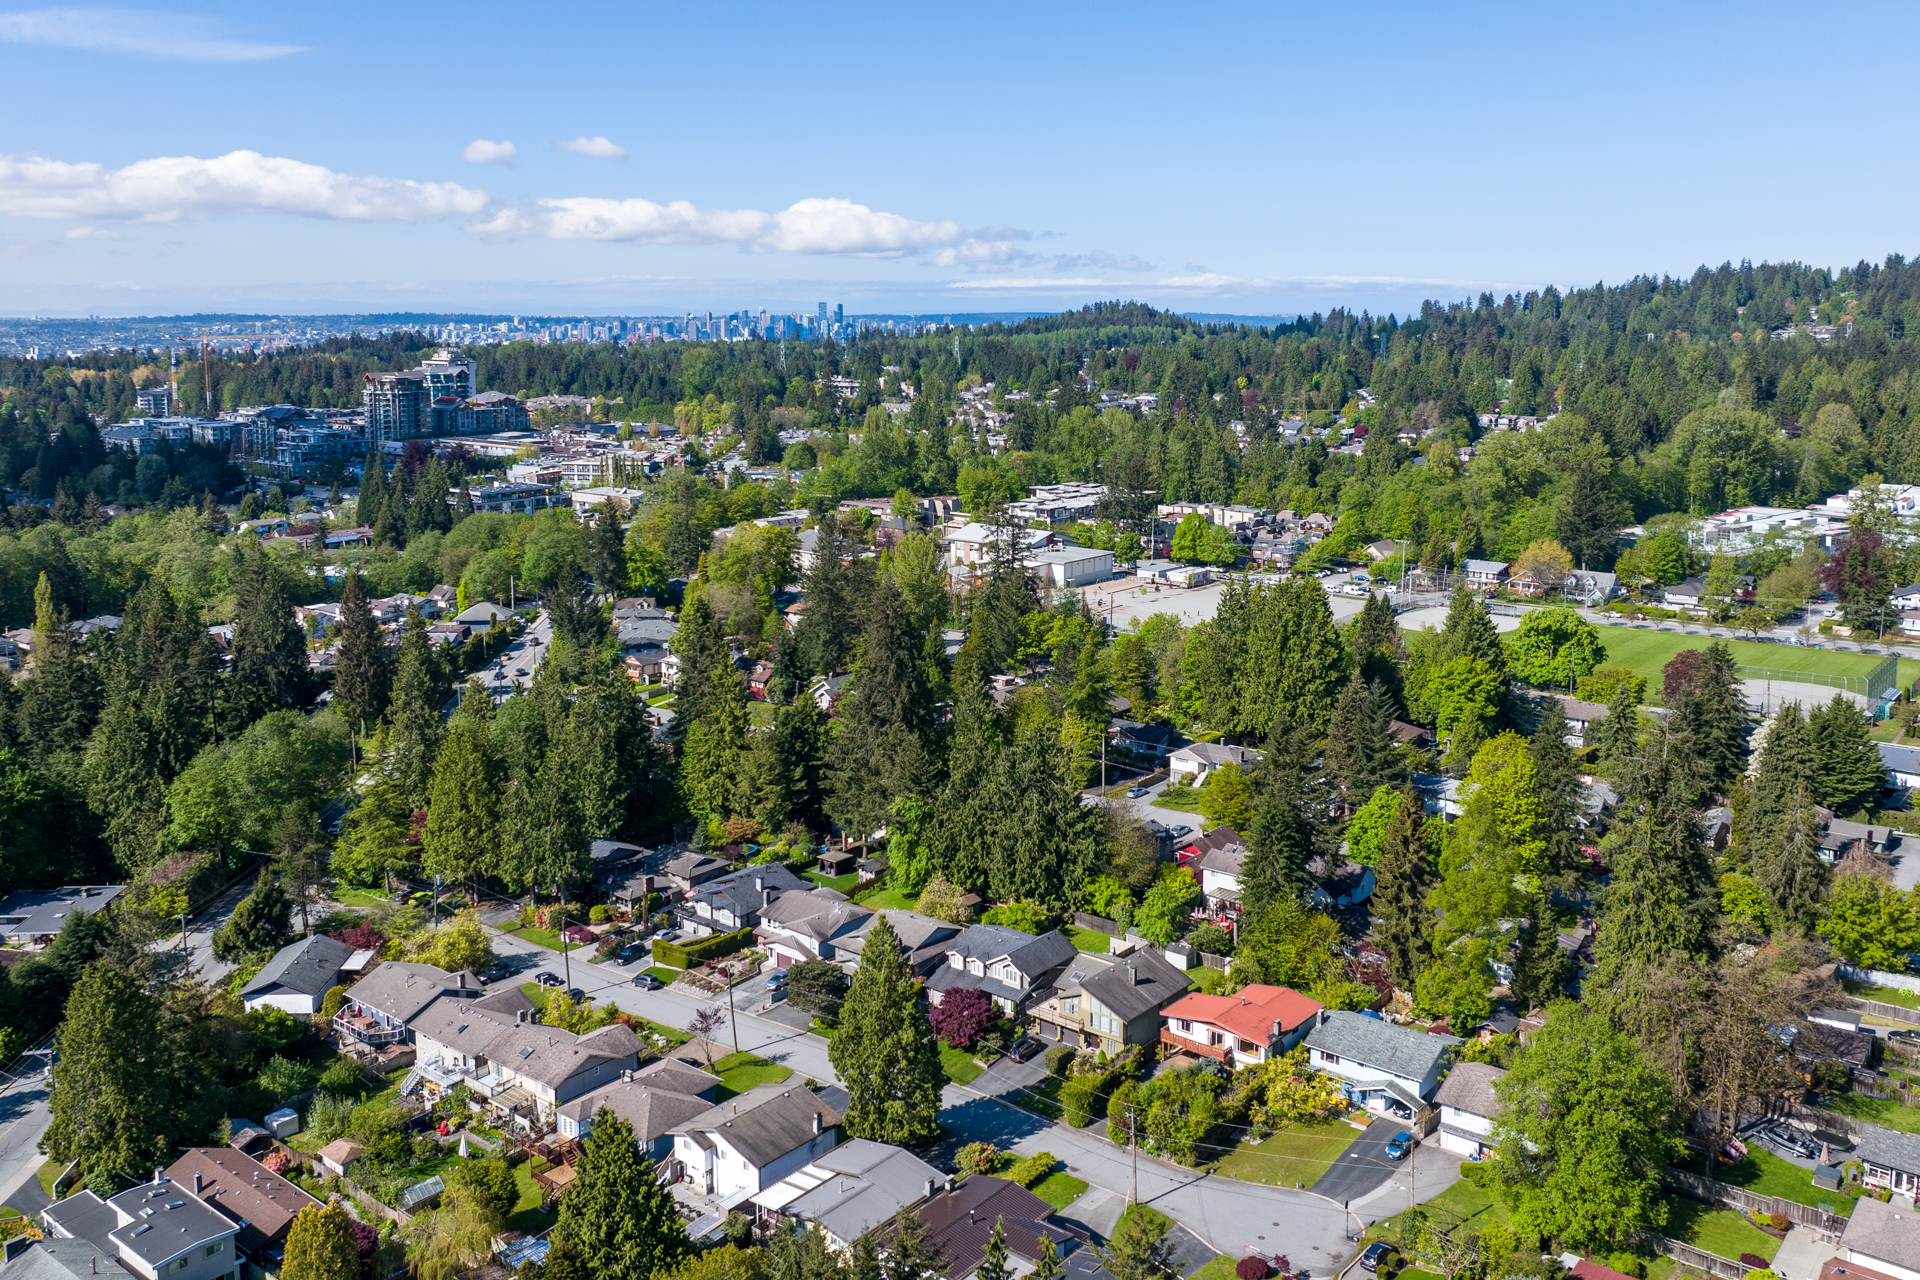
(546, 979)
(1134, 793)
(1024, 1048)
(1376, 1255)
(576, 994)
(1399, 1145)
(777, 979)
(646, 982)
(1182, 831)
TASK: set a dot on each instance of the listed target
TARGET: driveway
(1362, 1167)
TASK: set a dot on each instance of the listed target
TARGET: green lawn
(1154, 1217)
(526, 1215)
(1647, 652)
(1885, 995)
(1726, 1232)
(548, 938)
(1088, 939)
(958, 1064)
(49, 1170)
(358, 899)
(1182, 798)
(1462, 1201)
(665, 974)
(839, 884)
(1059, 1189)
(1221, 1268)
(740, 1072)
(1885, 1112)
(1766, 1174)
(887, 898)
(1299, 1153)
(1043, 1100)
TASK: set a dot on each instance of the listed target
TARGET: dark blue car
(1399, 1145)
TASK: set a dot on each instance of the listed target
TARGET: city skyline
(1363, 162)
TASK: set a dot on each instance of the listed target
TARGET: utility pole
(732, 1021)
(566, 957)
(1133, 1140)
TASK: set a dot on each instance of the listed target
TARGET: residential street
(24, 1116)
(512, 672)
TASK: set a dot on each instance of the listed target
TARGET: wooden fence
(1716, 1192)
(1213, 961)
(1099, 924)
(1891, 1012)
(1686, 1255)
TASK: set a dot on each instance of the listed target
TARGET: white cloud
(1206, 281)
(179, 37)
(92, 233)
(1034, 282)
(815, 226)
(1101, 258)
(598, 148)
(481, 151)
(176, 188)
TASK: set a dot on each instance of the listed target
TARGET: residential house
(1841, 836)
(691, 870)
(1254, 1024)
(1218, 857)
(1693, 594)
(31, 918)
(482, 616)
(25, 1257)
(1005, 963)
(1903, 765)
(757, 677)
(520, 1068)
(1588, 587)
(653, 1100)
(801, 926)
(1104, 1003)
(923, 939)
(1150, 740)
(748, 1143)
(972, 544)
(299, 976)
(380, 1007)
(1195, 762)
(851, 1189)
(260, 1200)
(1486, 575)
(1888, 1158)
(1467, 1107)
(1384, 1067)
(1385, 547)
(1883, 1237)
(735, 900)
(959, 1221)
(827, 691)
(152, 1229)
(1337, 882)
(1821, 1040)
(1583, 719)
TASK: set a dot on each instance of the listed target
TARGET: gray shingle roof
(1469, 1087)
(765, 1123)
(1888, 1148)
(1883, 1232)
(309, 966)
(875, 1181)
(401, 989)
(178, 1219)
(61, 1260)
(1135, 985)
(546, 1055)
(1373, 1042)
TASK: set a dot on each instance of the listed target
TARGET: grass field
(1088, 939)
(49, 1170)
(358, 899)
(526, 1215)
(1178, 798)
(1158, 1220)
(887, 898)
(1885, 995)
(1059, 1189)
(958, 1064)
(664, 973)
(1888, 1113)
(1766, 1174)
(740, 1072)
(1645, 653)
(1474, 1206)
(1727, 1232)
(548, 938)
(839, 884)
(1221, 1268)
(1298, 1153)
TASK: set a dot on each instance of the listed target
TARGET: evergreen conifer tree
(414, 723)
(373, 492)
(1787, 864)
(1556, 785)
(1541, 967)
(1708, 710)
(1359, 750)
(1292, 820)
(1619, 734)
(1403, 875)
(269, 651)
(1851, 775)
(259, 925)
(360, 675)
(885, 1052)
(617, 1211)
(464, 800)
(993, 1263)
(882, 748)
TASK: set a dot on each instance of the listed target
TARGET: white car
(1354, 589)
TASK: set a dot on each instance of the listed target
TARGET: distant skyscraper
(839, 316)
(823, 317)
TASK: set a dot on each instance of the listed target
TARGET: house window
(217, 1248)
(1182, 1025)
(180, 1263)
(1328, 1058)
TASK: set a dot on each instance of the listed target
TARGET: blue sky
(1252, 159)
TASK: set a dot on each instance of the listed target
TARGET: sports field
(1647, 652)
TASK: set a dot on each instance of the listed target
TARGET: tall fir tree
(1292, 818)
(607, 551)
(269, 651)
(373, 492)
(1709, 710)
(1541, 967)
(414, 723)
(836, 584)
(884, 1051)
(786, 768)
(462, 834)
(1851, 776)
(1359, 751)
(1377, 648)
(1556, 785)
(617, 1211)
(1619, 734)
(360, 674)
(1788, 867)
(1787, 764)
(1403, 876)
(963, 836)
(884, 745)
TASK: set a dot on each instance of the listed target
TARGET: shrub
(943, 900)
(1060, 1058)
(978, 1157)
(1755, 1264)
(1760, 1273)
(677, 955)
(1478, 1175)
(276, 1161)
(1251, 1267)
(333, 1002)
(341, 1078)
(816, 986)
(963, 1015)
(1627, 1264)
(1078, 1098)
(1027, 917)
(328, 1116)
(599, 914)
(283, 1077)
(1779, 1221)
(1033, 1168)
(361, 937)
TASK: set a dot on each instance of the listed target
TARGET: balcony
(366, 1030)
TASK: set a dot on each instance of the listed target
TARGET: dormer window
(975, 968)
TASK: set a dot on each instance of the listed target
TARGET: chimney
(196, 1182)
(760, 884)
(931, 1183)
(949, 1184)
(816, 1122)
(159, 1176)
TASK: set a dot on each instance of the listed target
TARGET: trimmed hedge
(1033, 1168)
(685, 956)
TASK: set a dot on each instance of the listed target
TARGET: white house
(1466, 1108)
(748, 1143)
(1903, 764)
(1250, 1026)
(153, 1229)
(1196, 761)
(1486, 574)
(852, 1189)
(807, 925)
(652, 1100)
(299, 976)
(1386, 1068)
(522, 1069)
(972, 544)
(1889, 1159)
(1072, 566)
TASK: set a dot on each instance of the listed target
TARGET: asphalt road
(24, 1116)
(1363, 1167)
(512, 672)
